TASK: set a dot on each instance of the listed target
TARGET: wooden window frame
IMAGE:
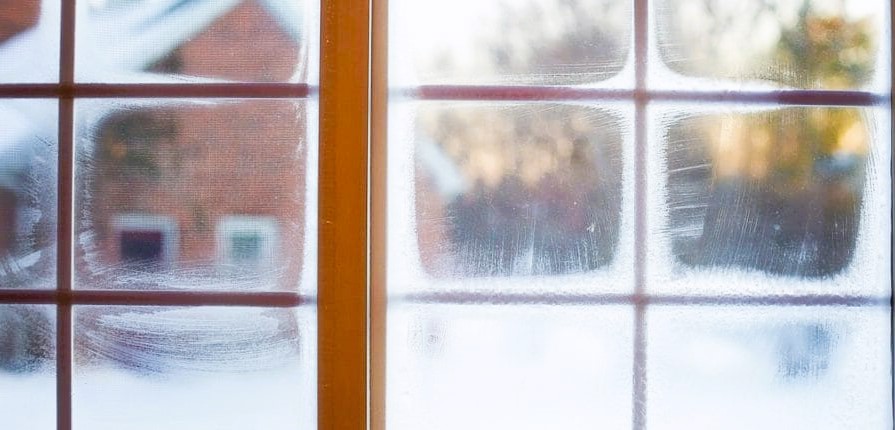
(351, 299)
(341, 301)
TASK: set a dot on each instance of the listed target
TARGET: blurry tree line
(779, 190)
(795, 173)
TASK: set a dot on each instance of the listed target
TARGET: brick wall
(196, 164)
(17, 16)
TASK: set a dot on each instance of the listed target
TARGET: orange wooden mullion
(343, 241)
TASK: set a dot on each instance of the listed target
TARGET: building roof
(117, 41)
(130, 39)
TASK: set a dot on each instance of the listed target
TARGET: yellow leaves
(781, 148)
(852, 140)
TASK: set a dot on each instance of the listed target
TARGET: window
(145, 240)
(516, 214)
(247, 242)
(146, 152)
(636, 214)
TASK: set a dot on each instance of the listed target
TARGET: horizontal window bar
(445, 92)
(540, 93)
(284, 299)
(635, 299)
(192, 90)
(156, 298)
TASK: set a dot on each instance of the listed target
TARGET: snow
(537, 367)
(109, 399)
(178, 368)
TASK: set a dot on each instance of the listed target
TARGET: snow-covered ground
(178, 368)
(483, 367)
(116, 400)
(543, 367)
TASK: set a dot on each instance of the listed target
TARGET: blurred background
(213, 195)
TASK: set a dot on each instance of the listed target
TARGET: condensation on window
(777, 191)
(157, 183)
(549, 42)
(737, 367)
(517, 190)
(28, 170)
(29, 41)
(196, 41)
(771, 199)
(187, 368)
(28, 366)
(813, 44)
(518, 367)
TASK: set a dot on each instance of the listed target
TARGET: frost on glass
(771, 367)
(183, 41)
(517, 190)
(814, 44)
(191, 195)
(192, 368)
(27, 367)
(28, 168)
(550, 42)
(779, 192)
(29, 41)
(527, 367)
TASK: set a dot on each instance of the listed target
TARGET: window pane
(815, 44)
(750, 368)
(509, 191)
(550, 42)
(178, 41)
(776, 200)
(164, 189)
(28, 367)
(529, 367)
(28, 167)
(191, 368)
(29, 41)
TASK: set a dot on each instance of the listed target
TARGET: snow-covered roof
(150, 30)
(130, 39)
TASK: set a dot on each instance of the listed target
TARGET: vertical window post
(343, 239)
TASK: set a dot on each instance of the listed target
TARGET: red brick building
(17, 16)
(211, 194)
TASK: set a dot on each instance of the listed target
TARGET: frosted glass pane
(774, 367)
(192, 195)
(550, 42)
(29, 41)
(28, 367)
(28, 167)
(815, 44)
(528, 367)
(183, 41)
(518, 190)
(776, 200)
(192, 368)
